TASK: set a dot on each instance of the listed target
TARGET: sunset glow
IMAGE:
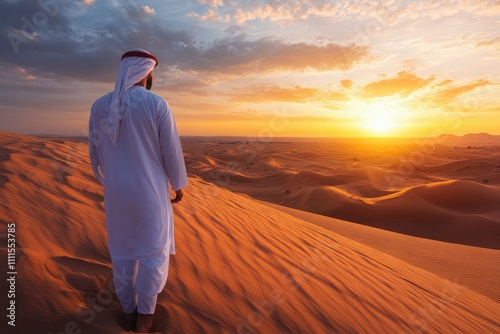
(382, 125)
(327, 68)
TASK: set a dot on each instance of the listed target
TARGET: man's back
(137, 168)
(137, 148)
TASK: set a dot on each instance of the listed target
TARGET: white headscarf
(132, 70)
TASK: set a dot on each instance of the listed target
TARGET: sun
(381, 126)
(382, 117)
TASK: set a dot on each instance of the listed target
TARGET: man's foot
(131, 320)
(144, 323)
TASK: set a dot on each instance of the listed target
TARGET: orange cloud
(447, 96)
(493, 43)
(213, 3)
(403, 84)
(346, 83)
(309, 56)
(285, 11)
(445, 82)
(209, 15)
(148, 10)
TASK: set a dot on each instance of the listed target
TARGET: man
(135, 153)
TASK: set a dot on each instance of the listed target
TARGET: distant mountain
(469, 139)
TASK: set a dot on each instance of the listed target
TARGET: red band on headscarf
(140, 54)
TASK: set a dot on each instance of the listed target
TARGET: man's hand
(178, 196)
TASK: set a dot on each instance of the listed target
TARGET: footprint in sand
(86, 277)
(89, 278)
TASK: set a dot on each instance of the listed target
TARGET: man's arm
(94, 138)
(171, 151)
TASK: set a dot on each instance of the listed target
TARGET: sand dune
(474, 267)
(240, 267)
(444, 193)
(454, 211)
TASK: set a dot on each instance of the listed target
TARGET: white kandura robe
(135, 173)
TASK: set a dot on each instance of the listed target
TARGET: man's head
(146, 81)
(136, 67)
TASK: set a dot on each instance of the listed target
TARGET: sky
(259, 68)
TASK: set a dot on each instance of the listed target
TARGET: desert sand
(333, 236)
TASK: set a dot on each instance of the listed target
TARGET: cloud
(385, 12)
(445, 82)
(13, 75)
(275, 93)
(91, 51)
(260, 94)
(135, 12)
(25, 75)
(241, 12)
(392, 13)
(447, 96)
(209, 15)
(213, 3)
(346, 83)
(88, 52)
(492, 43)
(149, 10)
(273, 12)
(239, 56)
(421, 93)
(403, 84)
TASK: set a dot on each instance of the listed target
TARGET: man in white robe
(135, 153)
